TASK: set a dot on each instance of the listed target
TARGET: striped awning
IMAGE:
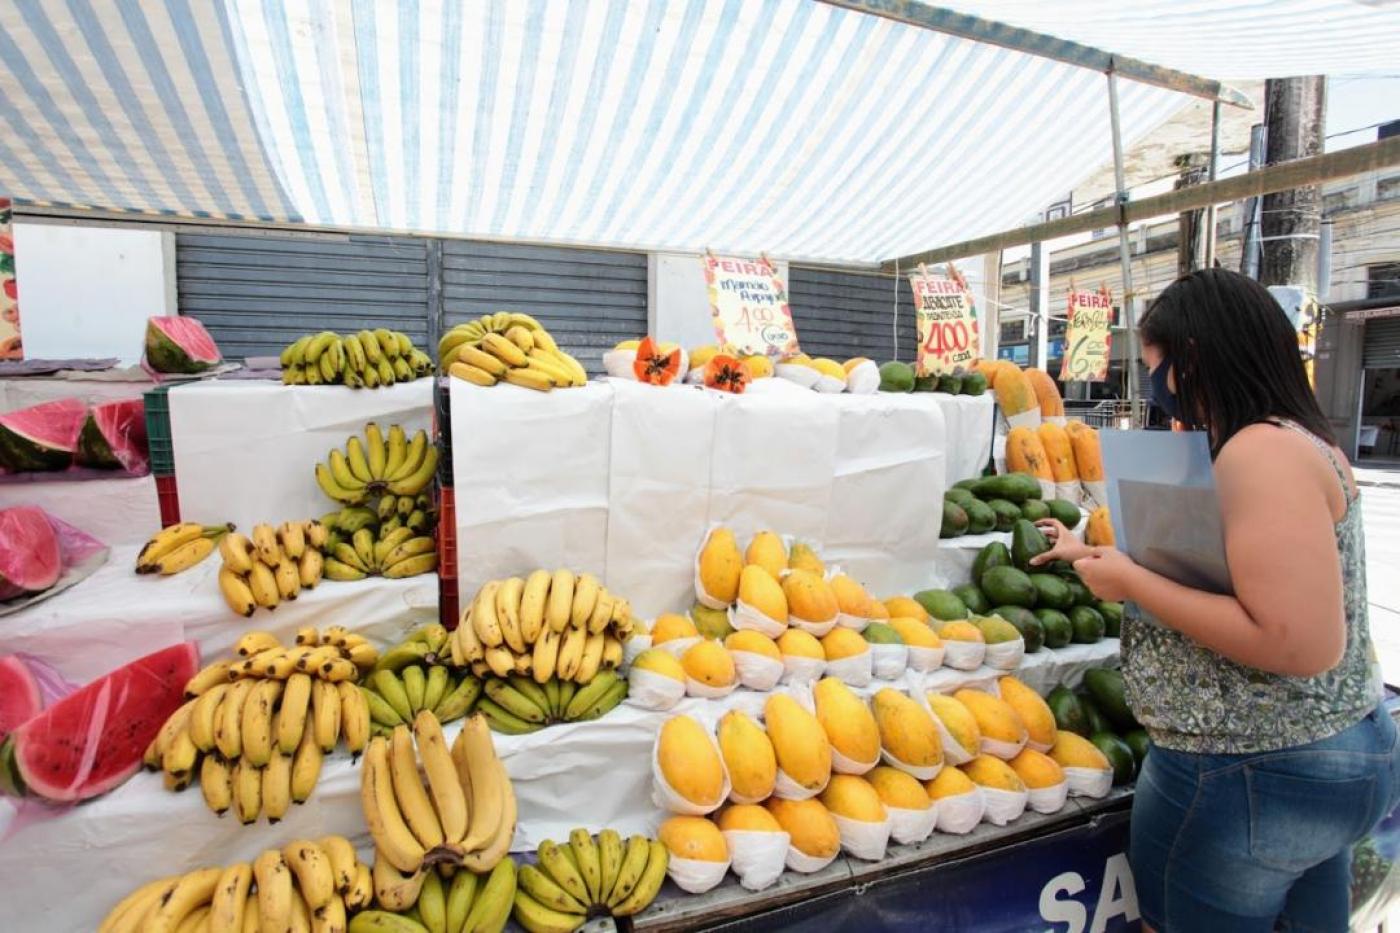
(789, 126)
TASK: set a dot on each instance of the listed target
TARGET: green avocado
(973, 598)
(1026, 542)
(880, 633)
(963, 497)
(1098, 722)
(1106, 687)
(1058, 630)
(1138, 741)
(1066, 513)
(1080, 592)
(955, 520)
(1034, 510)
(1006, 511)
(925, 383)
(1088, 625)
(974, 384)
(1014, 487)
(1112, 616)
(950, 384)
(1007, 586)
(896, 377)
(996, 630)
(980, 517)
(1026, 623)
(1118, 753)
(1069, 713)
(967, 483)
(1051, 591)
(941, 604)
(993, 555)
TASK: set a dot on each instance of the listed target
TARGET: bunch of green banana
(410, 677)
(467, 901)
(378, 466)
(516, 705)
(365, 360)
(588, 875)
(305, 885)
(508, 347)
(179, 547)
(271, 567)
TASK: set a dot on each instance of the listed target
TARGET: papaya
(855, 798)
(1014, 392)
(693, 837)
(1056, 625)
(994, 773)
(993, 555)
(951, 782)
(898, 789)
(1026, 542)
(726, 374)
(809, 825)
(995, 629)
(748, 817)
(799, 741)
(749, 756)
(955, 521)
(847, 721)
(1033, 710)
(903, 607)
(916, 634)
(1066, 513)
(809, 597)
(1068, 711)
(1026, 454)
(1088, 459)
(1051, 591)
(1073, 750)
(767, 551)
(941, 604)
(1007, 586)
(761, 590)
(655, 366)
(718, 569)
(995, 717)
(1105, 685)
(851, 598)
(1099, 531)
(907, 730)
(882, 633)
(708, 662)
(1059, 451)
(1027, 623)
(973, 599)
(980, 517)
(690, 762)
(1047, 393)
(1088, 625)
(803, 557)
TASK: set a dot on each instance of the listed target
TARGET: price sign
(10, 346)
(947, 322)
(1088, 337)
(749, 306)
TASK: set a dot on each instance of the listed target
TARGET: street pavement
(1380, 503)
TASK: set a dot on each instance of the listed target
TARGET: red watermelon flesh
(92, 740)
(43, 437)
(31, 557)
(20, 700)
(179, 345)
(114, 437)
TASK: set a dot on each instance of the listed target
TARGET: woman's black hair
(1234, 354)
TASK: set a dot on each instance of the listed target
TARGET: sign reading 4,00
(749, 306)
(947, 320)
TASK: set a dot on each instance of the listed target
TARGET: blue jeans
(1258, 842)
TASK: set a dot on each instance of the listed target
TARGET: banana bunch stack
(274, 565)
(458, 811)
(479, 903)
(588, 875)
(255, 730)
(179, 547)
(378, 466)
(508, 347)
(366, 360)
(517, 705)
(305, 885)
(411, 677)
(550, 625)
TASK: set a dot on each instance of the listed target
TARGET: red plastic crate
(447, 602)
(447, 556)
(169, 500)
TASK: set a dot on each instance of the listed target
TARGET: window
(1012, 331)
(1382, 280)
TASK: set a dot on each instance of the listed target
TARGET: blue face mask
(1163, 397)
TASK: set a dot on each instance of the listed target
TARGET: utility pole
(1190, 228)
(1295, 112)
(1038, 319)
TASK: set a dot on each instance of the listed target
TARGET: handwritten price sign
(749, 306)
(1088, 337)
(947, 321)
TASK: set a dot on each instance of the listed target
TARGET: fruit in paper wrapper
(941, 604)
(833, 375)
(1034, 712)
(878, 610)
(693, 837)
(31, 558)
(689, 761)
(1047, 393)
(799, 741)
(20, 699)
(809, 826)
(42, 437)
(1024, 621)
(1099, 531)
(746, 640)
(950, 782)
(851, 597)
(180, 345)
(907, 731)
(1014, 392)
(748, 754)
(996, 719)
(803, 557)
(1075, 751)
(905, 607)
(659, 662)
(759, 367)
(881, 633)
(1088, 458)
(761, 590)
(855, 798)
(916, 634)
(898, 789)
(809, 597)
(988, 771)
(718, 569)
(849, 724)
(842, 642)
(1026, 454)
(742, 817)
(669, 626)
(710, 623)
(996, 630)
(798, 643)
(114, 437)
(960, 630)
(767, 550)
(958, 720)
(707, 662)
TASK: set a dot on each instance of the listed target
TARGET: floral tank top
(1192, 699)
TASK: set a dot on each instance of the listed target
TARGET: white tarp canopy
(791, 126)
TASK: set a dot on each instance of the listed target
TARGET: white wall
(87, 291)
(678, 301)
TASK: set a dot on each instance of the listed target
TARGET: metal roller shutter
(1382, 344)
(845, 314)
(256, 294)
(588, 299)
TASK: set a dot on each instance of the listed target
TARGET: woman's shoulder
(1270, 455)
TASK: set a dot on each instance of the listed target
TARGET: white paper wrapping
(650, 690)
(669, 799)
(1047, 799)
(245, 451)
(1088, 782)
(757, 671)
(829, 385)
(963, 655)
(695, 876)
(618, 364)
(1003, 750)
(960, 813)
(1002, 806)
(757, 858)
(841, 764)
(910, 826)
(1095, 493)
(925, 659)
(1025, 419)
(788, 789)
(677, 647)
(922, 772)
(695, 688)
(863, 379)
(888, 662)
(1047, 488)
(855, 671)
(804, 376)
(815, 629)
(862, 839)
(744, 616)
(805, 864)
(1006, 655)
(633, 647)
(855, 623)
(801, 670)
(1068, 492)
(1039, 746)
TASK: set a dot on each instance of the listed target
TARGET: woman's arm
(1286, 616)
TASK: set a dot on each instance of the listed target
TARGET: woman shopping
(1270, 755)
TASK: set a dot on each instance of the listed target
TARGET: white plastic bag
(963, 655)
(1006, 655)
(960, 813)
(757, 858)
(650, 690)
(888, 662)
(1003, 806)
(910, 826)
(744, 616)
(695, 876)
(855, 671)
(757, 671)
(863, 840)
(1048, 799)
(1088, 782)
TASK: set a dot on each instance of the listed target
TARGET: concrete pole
(1125, 253)
(1209, 238)
(991, 308)
(1038, 320)
(1295, 111)
(1249, 220)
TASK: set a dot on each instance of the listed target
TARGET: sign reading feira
(1088, 336)
(947, 320)
(10, 345)
(749, 306)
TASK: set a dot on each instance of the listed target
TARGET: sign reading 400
(947, 321)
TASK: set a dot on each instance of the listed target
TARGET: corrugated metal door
(845, 314)
(256, 293)
(1382, 344)
(588, 299)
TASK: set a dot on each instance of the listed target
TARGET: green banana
(402, 655)
(615, 695)
(459, 899)
(380, 710)
(459, 700)
(589, 694)
(388, 685)
(514, 702)
(492, 906)
(504, 722)
(648, 885)
(381, 921)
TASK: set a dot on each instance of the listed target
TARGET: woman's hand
(1063, 544)
(1108, 573)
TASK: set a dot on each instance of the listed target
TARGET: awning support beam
(1125, 251)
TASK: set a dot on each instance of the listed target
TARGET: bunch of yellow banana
(179, 547)
(549, 625)
(254, 731)
(517, 705)
(588, 875)
(272, 566)
(305, 885)
(423, 902)
(508, 347)
(379, 465)
(365, 360)
(462, 815)
(411, 677)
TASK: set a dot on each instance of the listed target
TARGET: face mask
(1163, 397)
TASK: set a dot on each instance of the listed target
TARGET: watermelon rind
(42, 437)
(93, 449)
(166, 354)
(20, 699)
(93, 739)
(11, 783)
(31, 557)
(114, 437)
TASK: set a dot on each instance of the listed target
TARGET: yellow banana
(354, 716)
(247, 791)
(339, 570)
(412, 566)
(277, 787)
(202, 716)
(547, 891)
(312, 868)
(500, 660)
(560, 609)
(216, 784)
(344, 861)
(408, 547)
(191, 892)
(521, 336)
(491, 907)
(507, 600)
(487, 362)
(532, 604)
(496, 850)
(127, 916)
(182, 558)
(373, 352)
(291, 716)
(612, 652)
(172, 537)
(415, 684)
(230, 898)
(634, 862)
(535, 917)
(361, 892)
(449, 800)
(251, 922)
(591, 659)
(610, 852)
(413, 483)
(432, 904)
(325, 714)
(316, 534)
(484, 621)
(459, 899)
(331, 917)
(649, 883)
(412, 458)
(412, 797)
(363, 541)
(586, 856)
(176, 724)
(358, 463)
(235, 551)
(266, 546)
(466, 646)
(391, 834)
(602, 613)
(306, 767)
(251, 643)
(333, 488)
(292, 537)
(338, 670)
(275, 891)
(475, 757)
(377, 453)
(206, 678)
(262, 583)
(310, 568)
(288, 580)
(529, 379)
(255, 725)
(571, 653)
(545, 660)
(228, 736)
(355, 357)
(501, 348)
(389, 686)
(586, 589)
(394, 888)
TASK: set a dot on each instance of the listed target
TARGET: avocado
(967, 483)
(1106, 687)
(1138, 741)
(1026, 623)
(1007, 586)
(1112, 617)
(954, 520)
(1080, 592)
(974, 384)
(1051, 591)
(941, 604)
(1026, 542)
(1088, 625)
(1033, 510)
(1118, 753)
(1098, 722)
(973, 598)
(980, 517)
(925, 383)
(950, 384)
(1069, 713)
(993, 555)
(1066, 513)
(996, 630)
(896, 377)
(1006, 511)
(1014, 487)
(880, 633)
(963, 497)
(1058, 630)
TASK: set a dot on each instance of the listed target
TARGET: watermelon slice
(92, 740)
(180, 345)
(42, 437)
(20, 700)
(114, 437)
(31, 558)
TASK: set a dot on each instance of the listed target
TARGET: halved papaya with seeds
(654, 367)
(725, 373)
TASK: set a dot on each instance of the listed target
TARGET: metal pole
(1124, 251)
(1039, 317)
(1209, 238)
